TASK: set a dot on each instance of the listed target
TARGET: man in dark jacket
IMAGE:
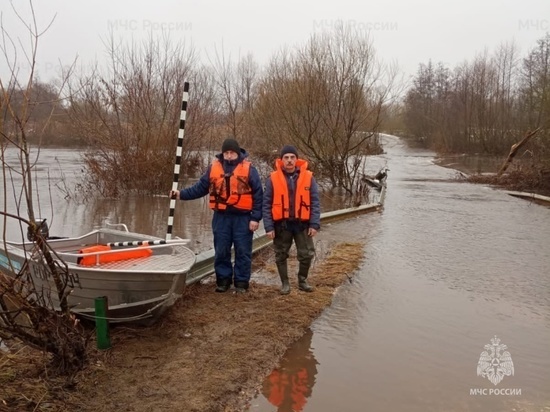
(235, 190)
(292, 212)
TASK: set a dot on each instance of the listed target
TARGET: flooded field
(451, 270)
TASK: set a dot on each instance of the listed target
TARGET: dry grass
(210, 353)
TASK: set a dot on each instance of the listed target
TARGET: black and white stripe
(178, 158)
(138, 243)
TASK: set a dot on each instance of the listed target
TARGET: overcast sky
(403, 31)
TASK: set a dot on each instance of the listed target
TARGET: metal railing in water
(204, 265)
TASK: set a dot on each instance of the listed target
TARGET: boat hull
(138, 290)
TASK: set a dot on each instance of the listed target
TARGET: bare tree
(487, 105)
(25, 313)
(424, 100)
(129, 114)
(535, 84)
(472, 108)
(326, 98)
(236, 90)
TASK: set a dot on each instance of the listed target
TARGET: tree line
(330, 97)
(484, 105)
(326, 97)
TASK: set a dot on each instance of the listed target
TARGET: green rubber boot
(283, 274)
(302, 279)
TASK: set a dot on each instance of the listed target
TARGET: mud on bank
(210, 353)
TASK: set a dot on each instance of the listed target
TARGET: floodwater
(69, 213)
(448, 266)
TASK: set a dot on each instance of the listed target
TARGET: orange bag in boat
(111, 257)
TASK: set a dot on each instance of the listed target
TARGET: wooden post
(101, 323)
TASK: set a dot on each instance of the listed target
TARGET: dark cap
(231, 144)
(289, 149)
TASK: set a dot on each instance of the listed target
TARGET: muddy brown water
(448, 266)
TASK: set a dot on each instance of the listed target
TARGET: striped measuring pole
(144, 243)
(178, 158)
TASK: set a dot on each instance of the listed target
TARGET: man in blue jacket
(235, 191)
(292, 213)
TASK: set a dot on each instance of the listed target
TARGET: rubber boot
(283, 274)
(302, 279)
(223, 285)
(241, 287)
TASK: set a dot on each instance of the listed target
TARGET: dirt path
(210, 353)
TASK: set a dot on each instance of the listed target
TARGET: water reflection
(289, 386)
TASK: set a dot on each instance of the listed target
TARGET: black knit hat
(288, 149)
(231, 144)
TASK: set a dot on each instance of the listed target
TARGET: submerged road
(451, 270)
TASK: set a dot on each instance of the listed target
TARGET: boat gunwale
(187, 262)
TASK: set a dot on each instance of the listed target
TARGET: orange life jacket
(280, 207)
(237, 193)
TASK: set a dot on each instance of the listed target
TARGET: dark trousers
(232, 230)
(304, 247)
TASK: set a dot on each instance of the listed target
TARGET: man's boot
(223, 285)
(241, 287)
(283, 274)
(302, 279)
